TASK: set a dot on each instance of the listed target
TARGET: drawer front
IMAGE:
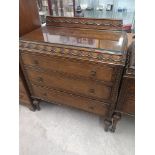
(86, 88)
(72, 67)
(71, 100)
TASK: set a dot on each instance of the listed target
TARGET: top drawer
(87, 70)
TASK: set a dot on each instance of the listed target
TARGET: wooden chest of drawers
(78, 67)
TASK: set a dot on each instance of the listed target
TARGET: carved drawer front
(88, 70)
(86, 88)
(71, 100)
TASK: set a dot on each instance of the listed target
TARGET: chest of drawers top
(84, 43)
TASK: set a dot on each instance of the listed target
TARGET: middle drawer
(76, 86)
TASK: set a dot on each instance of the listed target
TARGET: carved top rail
(73, 52)
(88, 23)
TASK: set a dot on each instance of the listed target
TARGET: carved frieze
(99, 23)
(75, 52)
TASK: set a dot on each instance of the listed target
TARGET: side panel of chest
(126, 100)
(23, 97)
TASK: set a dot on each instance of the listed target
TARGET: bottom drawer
(71, 100)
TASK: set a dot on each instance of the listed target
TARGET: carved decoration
(91, 22)
(72, 52)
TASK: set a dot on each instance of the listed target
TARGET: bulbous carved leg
(115, 118)
(36, 103)
(32, 108)
(107, 124)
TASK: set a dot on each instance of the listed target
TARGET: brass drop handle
(44, 94)
(40, 79)
(92, 91)
(93, 73)
(36, 62)
(92, 108)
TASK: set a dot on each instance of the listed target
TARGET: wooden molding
(102, 24)
(103, 56)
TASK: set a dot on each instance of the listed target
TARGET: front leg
(32, 108)
(36, 104)
(107, 124)
(115, 118)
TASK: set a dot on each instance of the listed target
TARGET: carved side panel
(126, 100)
(24, 95)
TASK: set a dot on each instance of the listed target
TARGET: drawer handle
(92, 108)
(44, 94)
(36, 62)
(92, 90)
(93, 73)
(40, 79)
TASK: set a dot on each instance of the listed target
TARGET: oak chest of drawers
(75, 64)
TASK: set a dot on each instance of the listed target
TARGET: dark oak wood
(79, 67)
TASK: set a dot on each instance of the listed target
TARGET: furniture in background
(28, 21)
(77, 62)
(126, 98)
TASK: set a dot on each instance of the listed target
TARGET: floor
(59, 130)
